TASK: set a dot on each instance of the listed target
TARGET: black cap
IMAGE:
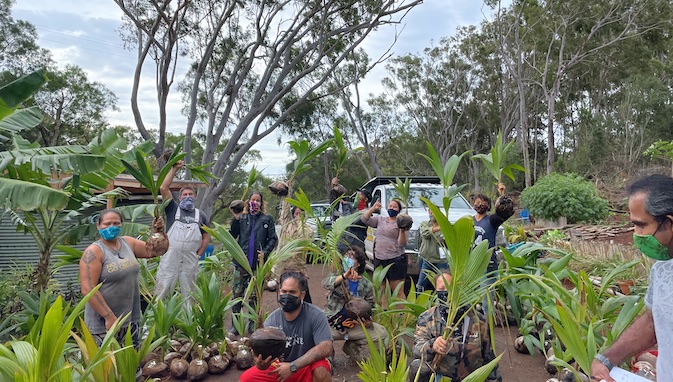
(366, 193)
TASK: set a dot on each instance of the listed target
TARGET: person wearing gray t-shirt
(308, 336)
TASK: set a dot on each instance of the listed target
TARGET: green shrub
(566, 195)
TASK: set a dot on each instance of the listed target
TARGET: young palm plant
(304, 153)
(445, 172)
(264, 268)
(495, 160)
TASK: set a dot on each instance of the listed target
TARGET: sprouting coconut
(279, 188)
(236, 206)
(154, 369)
(197, 370)
(267, 342)
(218, 364)
(243, 358)
(179, 367)
(404, 221)
(157, 242)
(358, 308)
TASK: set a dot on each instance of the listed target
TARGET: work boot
(358, 350)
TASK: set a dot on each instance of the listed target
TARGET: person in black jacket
(255, 232)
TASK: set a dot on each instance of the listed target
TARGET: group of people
(310, 331)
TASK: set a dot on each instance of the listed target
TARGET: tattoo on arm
(88, 256)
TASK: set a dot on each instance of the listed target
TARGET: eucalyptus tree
(568, 34)
(433, 88)
(246, 57)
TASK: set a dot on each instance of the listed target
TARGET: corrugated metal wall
(18, 250)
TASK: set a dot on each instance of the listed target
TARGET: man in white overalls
(187, 240)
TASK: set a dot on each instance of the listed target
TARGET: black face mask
(442, 296)
(289, 303)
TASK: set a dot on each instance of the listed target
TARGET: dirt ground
(514, 367)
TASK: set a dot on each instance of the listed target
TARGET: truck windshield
(434, 194)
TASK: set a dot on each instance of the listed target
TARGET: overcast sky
(85, 33)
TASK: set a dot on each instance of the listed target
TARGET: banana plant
(495, 160)
(264, 267)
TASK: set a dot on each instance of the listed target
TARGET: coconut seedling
(257, 282)
(403, 189)
(157, 242)
(238, 205)
(445, 172)
(494, 162)
(304, 153)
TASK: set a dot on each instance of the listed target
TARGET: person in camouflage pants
(342, 288)
(468, 348)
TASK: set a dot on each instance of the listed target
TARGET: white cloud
(85, 33)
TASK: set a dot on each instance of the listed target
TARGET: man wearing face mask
(651, 212)
(466, 349)
(308, 336)
(187, 240)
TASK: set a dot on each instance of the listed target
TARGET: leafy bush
(566, 195)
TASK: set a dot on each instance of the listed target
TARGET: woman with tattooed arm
(111, 262)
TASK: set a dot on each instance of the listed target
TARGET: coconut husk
(504, 207)
(169, 357)
(404, 222)
(237, 206)
(157, 242)
(267, 342)
(154, 369)
(217, 364)
(197, 370)
(186, 347)
(358, 308)
(179, 367)
(520, 345)
(175, 345)
(243, 358)
(148, 358)
(279, 188)
(337, 191)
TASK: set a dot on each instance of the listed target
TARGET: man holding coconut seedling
(186, 236)
(651, 212)
(466, 349)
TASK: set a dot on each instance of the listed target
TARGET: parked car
(428, 187)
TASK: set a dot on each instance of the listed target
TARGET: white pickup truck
(428, 187)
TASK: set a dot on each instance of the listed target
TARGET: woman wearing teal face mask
(111, 262)
(651, 212)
